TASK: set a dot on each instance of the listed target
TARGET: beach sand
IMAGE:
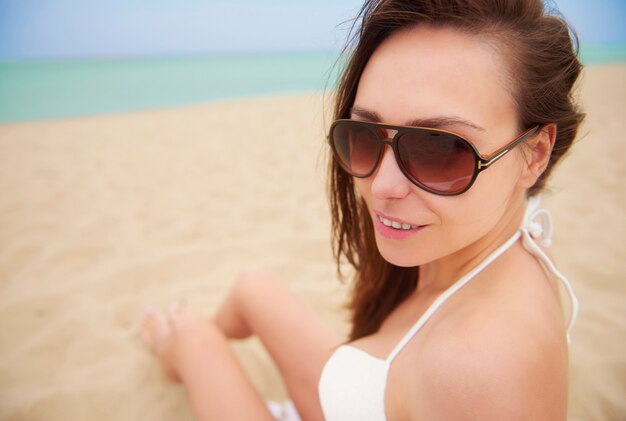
(104, 216)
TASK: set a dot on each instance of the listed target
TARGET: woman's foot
(155, 333)
(174, 337)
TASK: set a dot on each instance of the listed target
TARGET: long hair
(540, 50)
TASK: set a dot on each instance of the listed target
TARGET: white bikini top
(353, 382)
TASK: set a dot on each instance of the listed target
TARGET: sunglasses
(437, 161)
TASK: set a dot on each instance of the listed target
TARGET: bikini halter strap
(537, 226)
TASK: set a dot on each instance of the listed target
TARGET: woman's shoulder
(513, 297)
(499, 346)
(512, 312)
(486, 370)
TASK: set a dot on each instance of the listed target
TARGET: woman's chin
(398, 256)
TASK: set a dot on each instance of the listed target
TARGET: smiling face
(441, 78)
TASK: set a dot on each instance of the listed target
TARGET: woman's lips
(395, 229)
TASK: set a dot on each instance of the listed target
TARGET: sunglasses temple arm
(484, 163)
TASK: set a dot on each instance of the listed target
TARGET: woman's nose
(388, 181)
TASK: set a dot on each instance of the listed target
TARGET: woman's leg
(292, 333)
(194, 352)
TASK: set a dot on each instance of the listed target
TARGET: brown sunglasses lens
(440, 162)
(437, 161)
(356, 148)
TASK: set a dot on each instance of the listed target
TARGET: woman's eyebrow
(433, 122)
(365, 114)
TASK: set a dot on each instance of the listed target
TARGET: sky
(39, 29)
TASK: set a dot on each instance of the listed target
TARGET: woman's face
(454, 81)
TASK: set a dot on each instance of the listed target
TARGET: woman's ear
(537, 152)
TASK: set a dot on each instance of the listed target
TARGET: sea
(50, 89)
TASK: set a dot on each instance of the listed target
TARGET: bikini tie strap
(537, 225)
(538, 222)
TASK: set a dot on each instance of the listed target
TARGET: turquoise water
(599, 54)
(55, 89)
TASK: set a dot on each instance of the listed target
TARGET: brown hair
(541, 51)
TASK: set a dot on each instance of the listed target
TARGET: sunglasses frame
(481, 162)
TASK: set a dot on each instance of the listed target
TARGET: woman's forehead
(434, 71)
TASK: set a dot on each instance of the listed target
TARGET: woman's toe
(152, 329)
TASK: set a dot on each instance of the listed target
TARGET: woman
(450, 116)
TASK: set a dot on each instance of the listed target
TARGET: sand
(101, 217)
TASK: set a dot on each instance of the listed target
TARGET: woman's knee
(253, 279)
